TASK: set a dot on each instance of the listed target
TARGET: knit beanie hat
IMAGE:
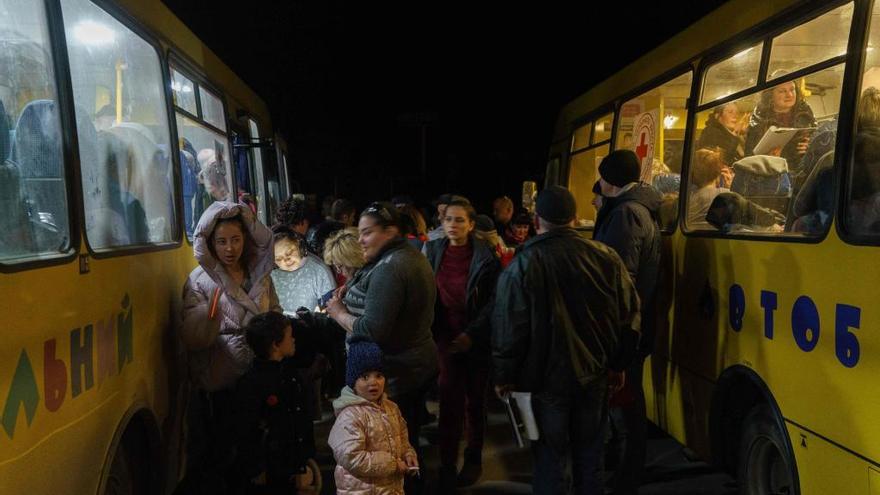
(620, 168)
(484, 223)
(363, 356)
(556, 204)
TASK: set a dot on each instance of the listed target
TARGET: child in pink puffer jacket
(369, 438)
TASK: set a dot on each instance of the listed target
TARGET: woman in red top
(466, 270)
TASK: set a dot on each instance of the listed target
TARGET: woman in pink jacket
(369, 439)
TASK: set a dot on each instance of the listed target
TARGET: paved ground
(508, 470)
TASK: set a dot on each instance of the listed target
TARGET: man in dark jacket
(566, 311)
(628, 224)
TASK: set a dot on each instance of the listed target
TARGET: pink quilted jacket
(367, 439)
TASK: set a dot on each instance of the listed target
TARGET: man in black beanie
(565, 313)
(628, 222)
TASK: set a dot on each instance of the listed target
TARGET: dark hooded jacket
(764, 116)
(629, 224)
(482, 277)
(566, 310)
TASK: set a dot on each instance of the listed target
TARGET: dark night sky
(338, 76)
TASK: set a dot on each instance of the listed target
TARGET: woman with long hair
(466, 270)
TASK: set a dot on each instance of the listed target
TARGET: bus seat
(36, 151)
(17, 235)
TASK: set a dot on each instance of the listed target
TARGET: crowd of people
(379, 315)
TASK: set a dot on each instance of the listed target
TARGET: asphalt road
(508, 469)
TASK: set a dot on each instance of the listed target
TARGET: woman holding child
(391, 302)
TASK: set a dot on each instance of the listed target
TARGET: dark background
(348, 83)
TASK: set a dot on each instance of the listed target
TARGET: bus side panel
(81, 351)
(824, 468)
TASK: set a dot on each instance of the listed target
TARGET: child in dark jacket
(274, 433)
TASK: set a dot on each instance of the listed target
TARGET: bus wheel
(765, 467)
(120, 481)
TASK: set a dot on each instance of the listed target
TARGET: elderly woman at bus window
(231, 285)
(705, 172)
(725, 132)
(782, 106)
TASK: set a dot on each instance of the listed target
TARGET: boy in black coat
(273, 430)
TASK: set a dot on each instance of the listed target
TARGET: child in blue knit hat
(369, 439)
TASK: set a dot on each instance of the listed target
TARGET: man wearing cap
(628, 222)
(566, 312)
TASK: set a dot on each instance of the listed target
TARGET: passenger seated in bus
(705, 173)
(17, 237)
(781, 106)
(863, 214)
(129, 225)
(724, 130)
(811, 210)
(732, 213)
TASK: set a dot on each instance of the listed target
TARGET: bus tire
(120, 481)
(765, 466)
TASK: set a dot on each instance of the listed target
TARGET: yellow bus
(117, 128)
(767, 325)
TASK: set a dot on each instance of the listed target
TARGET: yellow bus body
(828, 409)
(118, 319)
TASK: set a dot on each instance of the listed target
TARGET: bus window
(821, 39)
(653, 126)
(184, 92)
(212, 109)
(732, 75)
(602, 129)
(33, 190)
(781, 180)
(862, 217)
(580, 138)
(273, 188)
(583, 173)
(258, 192)
(125, 153)
(204, 160)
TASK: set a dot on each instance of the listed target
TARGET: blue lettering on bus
(24, 392)
(805, 326)
(768, 302)
(846, 345)
(805, 323)
(737, 307)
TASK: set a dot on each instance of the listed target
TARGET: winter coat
(273, 430)
(367, 440)
(715, 135)
(482, 277)
(560, 291)
(763, 117)
(393, 300)
(629, 224)
(219, 354)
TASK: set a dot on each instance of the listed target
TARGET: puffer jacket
(219, 354)
(367, 440)
(393, 300)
